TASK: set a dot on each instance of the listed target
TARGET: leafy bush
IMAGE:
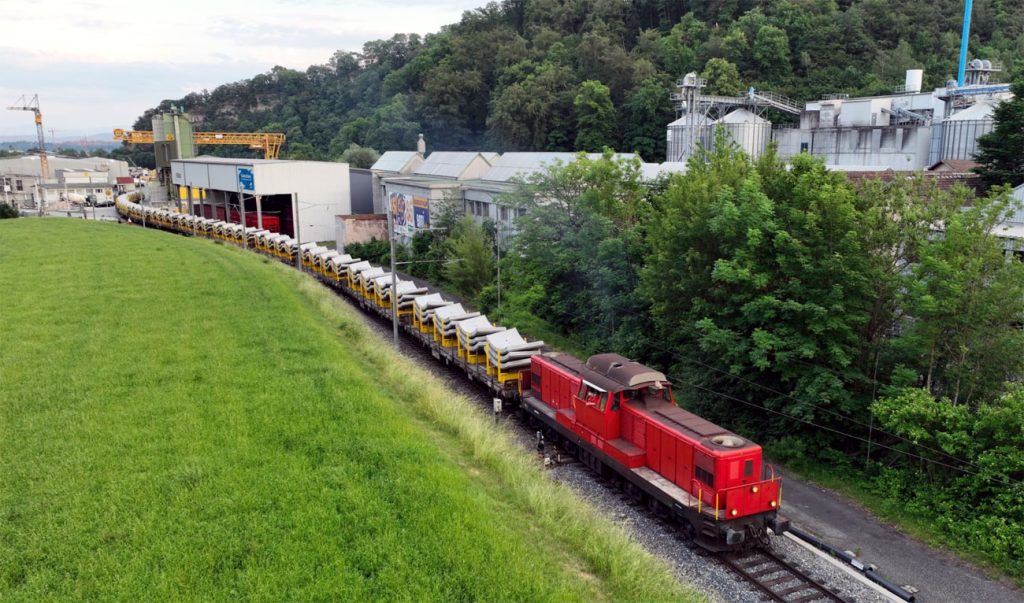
(8, 211)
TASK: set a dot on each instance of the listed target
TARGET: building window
(520, 212)
(504, 213)
(19, 186)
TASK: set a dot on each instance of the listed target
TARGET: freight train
(616, 416)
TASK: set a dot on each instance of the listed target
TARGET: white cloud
(98, 64)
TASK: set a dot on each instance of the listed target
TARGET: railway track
(776, 578)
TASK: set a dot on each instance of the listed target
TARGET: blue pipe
(963, 42)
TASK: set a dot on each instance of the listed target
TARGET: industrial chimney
(421, 145)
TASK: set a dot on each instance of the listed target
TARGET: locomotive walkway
(904, 560)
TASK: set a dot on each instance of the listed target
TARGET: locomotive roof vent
(728, 441)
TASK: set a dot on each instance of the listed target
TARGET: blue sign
(246, 180)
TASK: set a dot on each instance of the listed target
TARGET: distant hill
(24, 142)
(510, 75)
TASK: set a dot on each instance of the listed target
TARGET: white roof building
(455, 165)
(315, 191)
(398, 162)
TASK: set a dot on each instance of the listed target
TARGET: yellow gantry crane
(24, 103)
(269, 142)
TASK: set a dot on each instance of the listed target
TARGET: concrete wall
(890, 147)
(360, 229)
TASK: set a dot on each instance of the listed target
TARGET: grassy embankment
(184, 420)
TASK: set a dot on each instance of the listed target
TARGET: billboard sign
(409, 213)
(421, 212)
(246, 180)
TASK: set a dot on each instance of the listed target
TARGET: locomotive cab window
(705, 476)
(593, 396)
(748, 468)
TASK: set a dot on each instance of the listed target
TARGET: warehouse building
(477, 184)
(73, 179)
(297, 198)
(487, 198)
(391, 164)
(437, 180)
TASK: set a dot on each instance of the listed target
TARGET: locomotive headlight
(773, 503)
(734, 512)
(754, 489)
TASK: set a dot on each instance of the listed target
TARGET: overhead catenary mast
(26, 104)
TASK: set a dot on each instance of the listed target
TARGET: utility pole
(94, 204)
(241, 210)
(497, 249)
(394, 277)
(298, 237)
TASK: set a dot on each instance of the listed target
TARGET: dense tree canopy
(829, 320)
(507, 75)
(1001, 152)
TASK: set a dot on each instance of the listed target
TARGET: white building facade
(298, 198)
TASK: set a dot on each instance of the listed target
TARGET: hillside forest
(562, 75)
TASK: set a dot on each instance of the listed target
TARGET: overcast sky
(98, 64)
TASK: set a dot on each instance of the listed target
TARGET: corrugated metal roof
(234, 161)
(651, 171)
(448, 164)
(393, 161)
(511, 165)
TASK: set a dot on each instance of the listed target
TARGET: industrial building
(72, 180)
(908, 130)
(297, 198)
(475, 183)
(413, 197)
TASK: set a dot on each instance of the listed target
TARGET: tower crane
(24, 103)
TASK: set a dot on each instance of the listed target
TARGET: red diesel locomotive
(619, 415)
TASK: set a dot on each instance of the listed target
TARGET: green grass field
(184, 420)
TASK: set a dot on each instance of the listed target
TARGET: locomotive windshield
(651, 395)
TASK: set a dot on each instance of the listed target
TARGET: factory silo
(750, 132)
(960, 131)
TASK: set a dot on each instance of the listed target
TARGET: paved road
(899, 557)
